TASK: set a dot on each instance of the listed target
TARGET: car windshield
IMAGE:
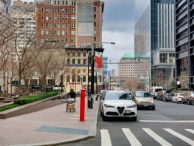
(117, 96)
(142, 94)
(157, 90)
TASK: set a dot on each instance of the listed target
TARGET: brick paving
(47, 126)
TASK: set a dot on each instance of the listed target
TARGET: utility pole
(92, 77)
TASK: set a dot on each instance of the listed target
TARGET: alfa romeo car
(118, 104)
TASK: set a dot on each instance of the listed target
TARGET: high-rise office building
(154, 36)
(184, 34)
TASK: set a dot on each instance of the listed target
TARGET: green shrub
(33, 98)
(8, 107)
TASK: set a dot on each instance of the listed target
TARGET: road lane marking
(190, 130)
(159, 139)
(105, 138)
(182, 137)
(132, 139)
(159, 121)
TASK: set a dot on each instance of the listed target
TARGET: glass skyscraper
(154, 29)
(184, 39)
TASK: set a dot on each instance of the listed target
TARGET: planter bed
(28, 107)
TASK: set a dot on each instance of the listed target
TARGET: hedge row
(33, 98)
(8, 107)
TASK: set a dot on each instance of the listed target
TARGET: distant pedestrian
(72, 94)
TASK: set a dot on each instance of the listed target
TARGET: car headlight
(137, 101)
(152, 101)
(132, 106)
(108, 106)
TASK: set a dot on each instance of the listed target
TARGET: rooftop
(132, 55)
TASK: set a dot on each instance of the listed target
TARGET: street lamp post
(93, 61)
(81, 77)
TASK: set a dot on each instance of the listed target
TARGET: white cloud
(124, 44)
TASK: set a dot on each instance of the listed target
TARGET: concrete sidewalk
(49, 127)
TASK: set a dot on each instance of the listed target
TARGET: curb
(92, 133)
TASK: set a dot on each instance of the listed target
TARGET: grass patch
(27, 100)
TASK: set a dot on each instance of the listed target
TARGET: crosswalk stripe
(156, 137)
(182, 137)
(105, 138)
(190, 130)
(132, 139)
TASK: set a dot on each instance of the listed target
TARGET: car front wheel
(104, 118)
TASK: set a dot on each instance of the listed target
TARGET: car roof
(141, 91)
(115, 91)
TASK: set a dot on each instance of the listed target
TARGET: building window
(50, 10)
(58, 25)
(66, 18)
(47, 32)
(58, 10)
(72, 39)
(94, 31)
(63, 10)
(94, 16)
(47, 10)
(63, 3)
(94, 23)
(46, 24)
(55, 10)
(78, 54)
(58, 18)
(42, 32)
(94, 38)
(42, 10)
(73, 61)
(55, 17)
(72, 11)
(66, 32)
(72, 32)
(66, 2)
(42, 17)
(84, 78)
(58, 32)
(73, 54)
(63, 32)
(84, 70)
(78, 71)
(58, 2)
(73, 3)
(78, 61)
(68, 53)
(66, 25)
(55, 2)
(73, 18)
(94, 9)
(50, 18)
(55, 25)
(84, 54)
(63, 25)
(84, 61)
(72, 25)
(47, 18)
(66, 39)
(42, 24)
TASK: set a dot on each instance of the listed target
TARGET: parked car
(167, 96)
(155, 90)
(144, 99)
(160, 95)
(178, 97)
(118, 104)
(188, 98)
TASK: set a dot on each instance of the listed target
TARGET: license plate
(145, 105)
(127, 111)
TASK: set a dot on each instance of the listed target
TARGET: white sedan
(118, 104)
(178, 97)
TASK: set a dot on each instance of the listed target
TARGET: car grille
(112, 113)
(145, 102)
(132, 113)
(120, 110)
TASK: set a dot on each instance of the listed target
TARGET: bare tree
(184, 80)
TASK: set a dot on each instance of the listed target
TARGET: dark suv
(167, 96)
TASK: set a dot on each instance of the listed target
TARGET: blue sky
(118, 27)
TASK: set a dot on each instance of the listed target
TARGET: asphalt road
(169, 124)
